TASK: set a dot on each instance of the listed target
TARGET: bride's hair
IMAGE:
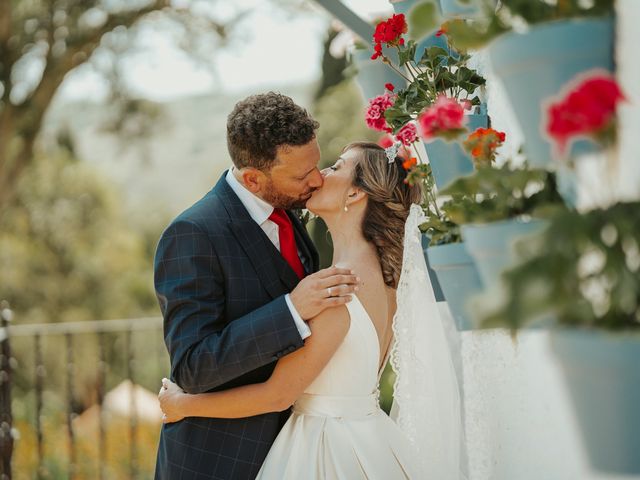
(389, 201)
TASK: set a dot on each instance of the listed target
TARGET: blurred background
(112, 121)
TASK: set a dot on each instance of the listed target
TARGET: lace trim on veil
(426, 393)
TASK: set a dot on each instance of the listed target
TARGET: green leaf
(407, 54)
(436, 53)
(424, 19)
(473, 34)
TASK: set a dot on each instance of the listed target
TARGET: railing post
(102, 374)
(133, 409)
(39, 389)
(70, 406)
(6, 420)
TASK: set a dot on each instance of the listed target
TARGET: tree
(41, 41)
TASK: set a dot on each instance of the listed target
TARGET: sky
(274, 49)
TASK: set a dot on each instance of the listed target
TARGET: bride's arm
(291, 377)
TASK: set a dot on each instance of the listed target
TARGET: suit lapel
(251, 238)
(273, 270)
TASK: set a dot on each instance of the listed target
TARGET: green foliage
(514, 14)
(438, 71)
(441, 230)
(424, 19)
(498, 193)
(66, 253)
(438, 227)
(584, 269)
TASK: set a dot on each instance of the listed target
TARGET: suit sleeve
(206, 349)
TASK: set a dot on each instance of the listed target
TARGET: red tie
(288, 248)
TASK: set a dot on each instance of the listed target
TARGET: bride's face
(332, 196)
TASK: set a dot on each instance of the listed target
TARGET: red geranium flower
(389, 86)
(389, 32)
(587, 110)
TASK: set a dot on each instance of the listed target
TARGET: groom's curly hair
(259, 124)
(389, 202)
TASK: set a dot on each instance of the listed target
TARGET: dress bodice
(353, 369)
(337, 430)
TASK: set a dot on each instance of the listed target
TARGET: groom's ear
(252, 178)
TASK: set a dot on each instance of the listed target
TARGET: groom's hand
(327, 288)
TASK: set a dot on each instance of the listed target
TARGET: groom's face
(294, 176)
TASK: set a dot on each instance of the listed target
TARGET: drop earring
(346, 209)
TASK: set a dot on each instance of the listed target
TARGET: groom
(234, 278)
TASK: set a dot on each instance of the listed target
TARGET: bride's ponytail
(390, 199)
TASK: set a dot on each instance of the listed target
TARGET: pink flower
(374, 115)
(587, 110)
(444, 118)
(407, 134)
(386, 141)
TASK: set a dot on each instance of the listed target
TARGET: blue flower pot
(536, 65)
(437, 290)
(490, 245)
(601, 371)
(448, 160)
(458, 279)
(373, 75)
(432, 41)
(453, 9)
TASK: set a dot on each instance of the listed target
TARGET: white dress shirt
(259, 210)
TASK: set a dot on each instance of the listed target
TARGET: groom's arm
(206, 350)
(292, 375)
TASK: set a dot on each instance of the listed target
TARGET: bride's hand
(170, 397)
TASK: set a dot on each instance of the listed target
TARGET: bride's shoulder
(332, 321)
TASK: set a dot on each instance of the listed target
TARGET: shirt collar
(258, 209)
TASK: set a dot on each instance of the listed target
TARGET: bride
(337, 429)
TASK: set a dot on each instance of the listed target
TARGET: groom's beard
(278, 199)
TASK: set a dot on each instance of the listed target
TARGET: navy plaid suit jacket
(221, 285)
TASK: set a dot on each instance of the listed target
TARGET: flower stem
(395, 69)
(430, 186)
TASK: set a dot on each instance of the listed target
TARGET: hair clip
(392, 151)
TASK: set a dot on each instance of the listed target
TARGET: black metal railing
(34, 388)
(6, 418)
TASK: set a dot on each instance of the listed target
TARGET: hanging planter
(372, 76)
(490, 244)
(535, 65)
(457, 9)
(458, 278)
(601, 371)
(435, 283)
(447, 158)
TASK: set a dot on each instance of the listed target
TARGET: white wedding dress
(337, 429)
